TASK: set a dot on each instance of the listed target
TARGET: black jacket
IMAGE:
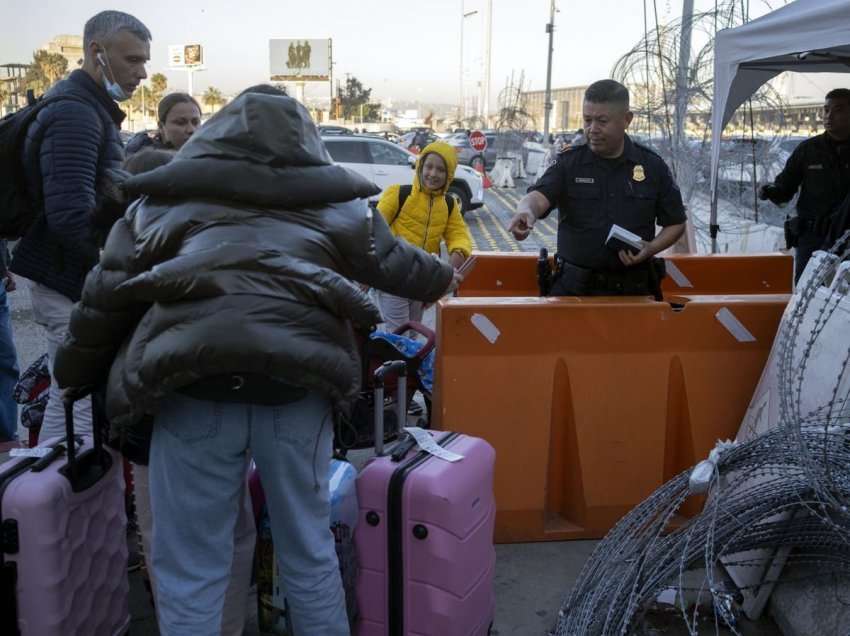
(144, 140)
(238, 259)
(67, 150)
(820, 173)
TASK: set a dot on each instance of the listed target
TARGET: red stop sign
(478, 141)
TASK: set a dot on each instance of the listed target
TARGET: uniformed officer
(820, 168)
(609, 180)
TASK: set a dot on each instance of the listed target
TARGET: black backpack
(404, 192)
(17, 212)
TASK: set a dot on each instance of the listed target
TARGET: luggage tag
(36, 451)
(426, 443)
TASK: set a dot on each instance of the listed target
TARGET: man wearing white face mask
(67, 152)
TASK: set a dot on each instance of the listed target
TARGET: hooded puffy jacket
(238, 259)
(425, 219)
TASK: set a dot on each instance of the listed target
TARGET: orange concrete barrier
(592, 404)
(512, 274)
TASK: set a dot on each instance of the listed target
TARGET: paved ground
(531, 579)
(488, 224)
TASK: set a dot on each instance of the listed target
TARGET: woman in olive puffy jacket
(224, 305)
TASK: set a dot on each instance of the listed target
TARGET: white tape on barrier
(486, 327)
(734, 326)
(676, 274)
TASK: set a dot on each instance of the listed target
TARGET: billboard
(299, 60)
(185, 56)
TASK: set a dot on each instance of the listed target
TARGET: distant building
(408, 118)
(566, 108)
(68, 46)
(12, 86)
(797, 119)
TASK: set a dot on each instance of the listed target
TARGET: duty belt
(637, 277)
(639, 280)
(817, 225)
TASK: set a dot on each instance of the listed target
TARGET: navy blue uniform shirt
(636, 191)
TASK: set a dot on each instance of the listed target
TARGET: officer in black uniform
(609, 180)
(820, 168)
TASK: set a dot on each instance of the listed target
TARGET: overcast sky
(399, 48)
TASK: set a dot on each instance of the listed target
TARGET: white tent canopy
(807, 36)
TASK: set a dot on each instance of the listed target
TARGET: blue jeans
(197, 477)
(8, 372)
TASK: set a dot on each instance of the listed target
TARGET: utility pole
(331, 77)
(347, 78)
(547, 105)
(484, 105)
(682, 71)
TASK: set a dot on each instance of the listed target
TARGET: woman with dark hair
(178, 116)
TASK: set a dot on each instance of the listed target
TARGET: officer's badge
(638, 174)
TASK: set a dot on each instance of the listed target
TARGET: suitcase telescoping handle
(98, 411)
(397, 368)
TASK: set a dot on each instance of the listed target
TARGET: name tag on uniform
(585, 180)
(816, 166)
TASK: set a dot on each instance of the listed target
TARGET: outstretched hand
(457, 279)
(521, 225)
(767, 191)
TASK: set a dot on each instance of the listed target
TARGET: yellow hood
(448, 154)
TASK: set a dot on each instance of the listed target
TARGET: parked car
(407, 138)
(386, 164)
(789, 144)
(468, 156)
(335, 130)
(738, 153)
(389, 136)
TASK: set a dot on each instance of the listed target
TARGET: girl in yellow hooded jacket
(425, 220)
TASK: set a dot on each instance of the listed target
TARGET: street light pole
(488, 46)
(547, 105)
(461, 109)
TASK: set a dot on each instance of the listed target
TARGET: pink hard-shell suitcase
(63, 542)
(425, 534)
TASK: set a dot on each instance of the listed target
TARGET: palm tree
(45, 69)
(158, 86)
(159, 83)
(143, 96)
(213, 97)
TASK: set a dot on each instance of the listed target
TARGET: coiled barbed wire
(650, 71)
(786, 488)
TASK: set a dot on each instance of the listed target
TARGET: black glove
(768, 191)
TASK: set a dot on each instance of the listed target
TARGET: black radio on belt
(544, 273)
(792, 231)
